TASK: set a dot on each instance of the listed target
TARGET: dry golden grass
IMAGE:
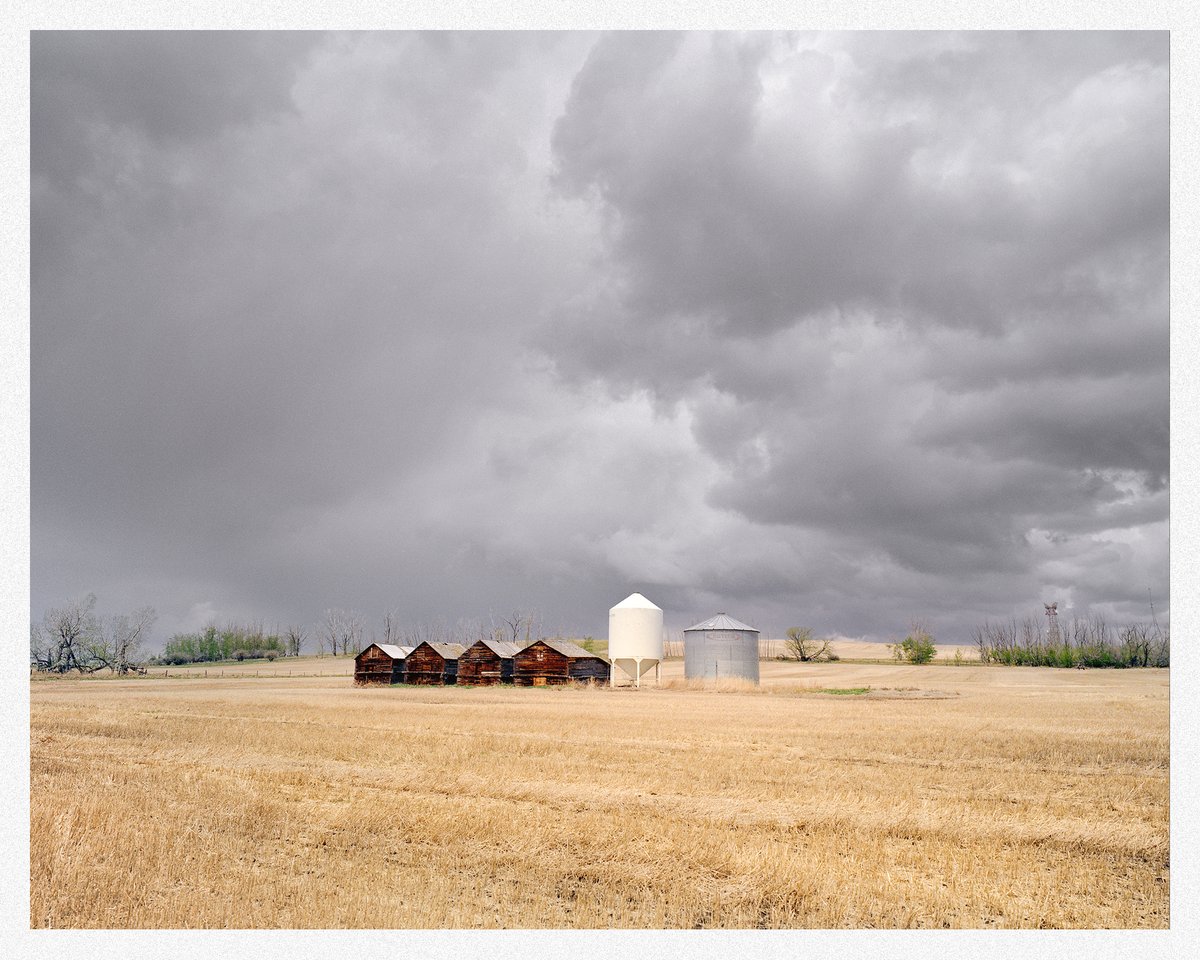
(1011, 798)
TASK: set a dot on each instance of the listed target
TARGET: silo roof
(722, 621)
(637, 601)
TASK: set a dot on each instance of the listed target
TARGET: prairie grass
(1026, 799)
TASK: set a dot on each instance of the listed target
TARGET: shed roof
(447, 651)
(504, 649)
(392, 650)
(566, 648)
(722, 621)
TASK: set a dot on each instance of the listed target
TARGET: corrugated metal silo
(719, 648)
(635, 638)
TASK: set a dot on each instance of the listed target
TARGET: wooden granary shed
(487, 662)
(433, 663)
(545, 662)
(381, 663)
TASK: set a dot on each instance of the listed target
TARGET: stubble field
(945, 796)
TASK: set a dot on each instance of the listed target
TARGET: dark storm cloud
(836, 329)
(252, 327)
(751, 207)
(925, 273)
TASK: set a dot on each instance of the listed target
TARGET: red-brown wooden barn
(381, 663)
(546, 662)
(433, 663)
(487, 662)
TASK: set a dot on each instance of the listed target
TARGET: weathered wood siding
(540, 665)
(375, 666)
(426, 666)
(589, 670)
(481, 666)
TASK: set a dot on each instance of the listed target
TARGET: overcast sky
(827, 330)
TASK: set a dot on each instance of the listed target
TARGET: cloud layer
(835, 329)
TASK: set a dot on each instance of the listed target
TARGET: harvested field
(943, 796)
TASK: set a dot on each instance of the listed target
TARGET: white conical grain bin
(635, 638)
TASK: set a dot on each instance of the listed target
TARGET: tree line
(344, 632)
(74, 638)
(341, 633)
(233, 642)
(1080, 642)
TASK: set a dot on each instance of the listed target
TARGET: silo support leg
(637, 668)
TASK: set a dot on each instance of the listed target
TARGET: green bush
(918, 647)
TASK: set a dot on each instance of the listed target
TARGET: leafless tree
(294, 638)
(980, 636)
(1162, 647)
(802, 645)
(39, 648)
(423, 632)
(519, 626)
(391, 627)
(341, 630)
(1031, 632)
(63, 641)
(468, 630)
(1136, 641)
(123, 640)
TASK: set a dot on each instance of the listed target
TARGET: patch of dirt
(907, 693)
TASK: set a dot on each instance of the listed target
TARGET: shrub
(917, 647)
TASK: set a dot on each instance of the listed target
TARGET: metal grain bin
(719, 648)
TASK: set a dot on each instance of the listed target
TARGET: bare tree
(1162, 649)
(468, 630)
(72, 637)
(293, 638)
(1031, 633)
(802, 645)
(391, 627)
(124, 639)
(341, 630)
(1137, 641)
(322, 639)
(40, 655)
(981, 638)
(63, 641)
(519, 626)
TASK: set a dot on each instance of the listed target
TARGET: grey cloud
(752, 209)
(320, 318)
(171, 85)
(1001, 227)
(1111, 423)
(824, 328)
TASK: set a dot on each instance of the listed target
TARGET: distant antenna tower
(1053, 635)
(1157, 628)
